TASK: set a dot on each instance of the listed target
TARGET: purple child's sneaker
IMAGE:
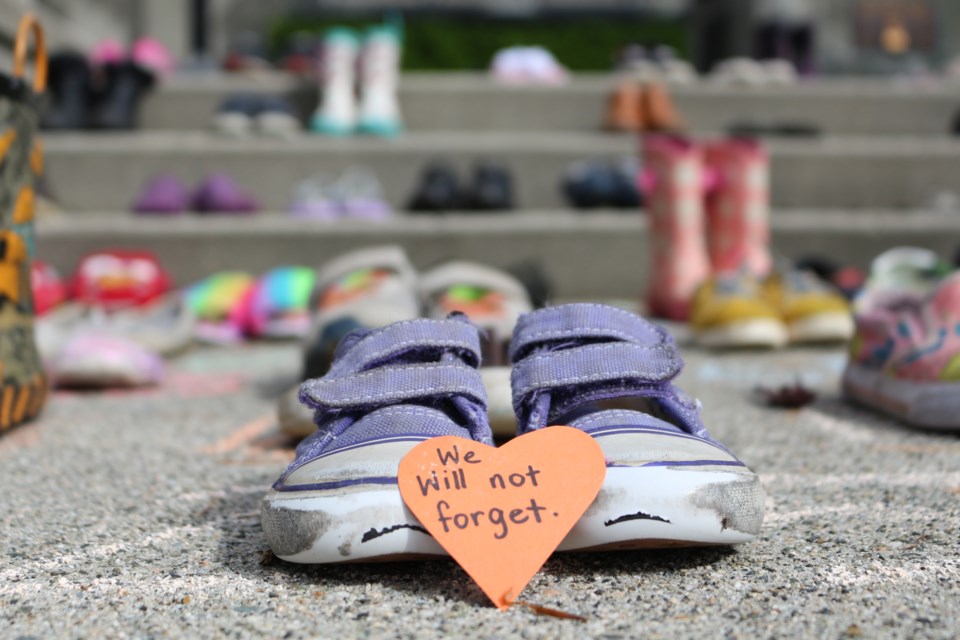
(220, 193)
(361, 196)
(314, 199)
(387, 390)
(164, 194)
(608, 372)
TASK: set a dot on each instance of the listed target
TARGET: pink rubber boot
(674, 183)
(738, 207)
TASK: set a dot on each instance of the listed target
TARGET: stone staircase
(867, 183)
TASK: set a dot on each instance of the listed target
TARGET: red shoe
(47, 285)
(115, 279)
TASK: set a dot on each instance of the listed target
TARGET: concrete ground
(136, 514)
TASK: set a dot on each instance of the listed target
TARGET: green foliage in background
(433, 42)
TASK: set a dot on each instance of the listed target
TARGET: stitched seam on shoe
(423, 342)
(563, 332)
(608, 414)
(320, 382)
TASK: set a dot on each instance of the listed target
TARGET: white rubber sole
(655, 507)
(931, 405)
(638, 507)
(756, 333)
(822, 328)
(345, 525)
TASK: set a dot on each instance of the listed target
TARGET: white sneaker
(337, 113)
(542, 68)
(507, 66)
(739, 72)
(379, 77)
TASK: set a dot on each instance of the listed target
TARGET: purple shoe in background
(219, 193)
(164, 194)
(314, 198)
(361, 196)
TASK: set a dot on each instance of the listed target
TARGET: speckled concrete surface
(136, 515)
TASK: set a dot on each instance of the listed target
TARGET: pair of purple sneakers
(166, 194)
(592, 367)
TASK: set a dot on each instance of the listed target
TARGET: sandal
(387, 390)
(608, 372)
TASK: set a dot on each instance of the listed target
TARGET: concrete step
(105, 172)
(601, 255)
(472, 102)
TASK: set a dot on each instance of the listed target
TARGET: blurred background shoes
(440, 189)
(241, 115)
(596, 184)
(105, 90)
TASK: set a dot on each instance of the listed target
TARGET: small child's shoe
(387, 391)
(812, 310)
(729, 312)
(609, 373)
(905, 355)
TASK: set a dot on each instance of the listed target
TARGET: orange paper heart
(501, 512)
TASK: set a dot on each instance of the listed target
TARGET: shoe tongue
(622, 417)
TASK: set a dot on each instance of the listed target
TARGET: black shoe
(118, 102)
(492, 188)
(438, 190)
(587, 185)
(625, 194)
(69, 82)
(591, 184)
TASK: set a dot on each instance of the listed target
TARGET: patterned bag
(23, 385)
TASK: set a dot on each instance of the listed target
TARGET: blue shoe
(608, 372)
(387, 391)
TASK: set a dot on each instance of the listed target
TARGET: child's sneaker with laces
(609, 373)
(388, 390)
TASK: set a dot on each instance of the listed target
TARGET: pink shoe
(107, 51)
(673, 181)
(738, 207)
(905, 356)
(154, 55)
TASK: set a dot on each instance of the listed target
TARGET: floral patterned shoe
(905, 355)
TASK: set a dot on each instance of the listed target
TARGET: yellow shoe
(729, 311)
(811, 310)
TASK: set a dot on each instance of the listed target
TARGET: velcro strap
(393, 385)
(578, 322)
(594, 365)
(382, 345)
